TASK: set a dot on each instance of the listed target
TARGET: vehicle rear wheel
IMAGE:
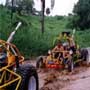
(85, 55)
(39, 62)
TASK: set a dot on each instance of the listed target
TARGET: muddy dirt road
(82, 81)
(51, 79)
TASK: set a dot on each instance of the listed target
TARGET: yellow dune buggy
(14, 73)
(65, 54)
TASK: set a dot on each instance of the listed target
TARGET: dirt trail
(50, 79)
(82, 83)
(79, 80)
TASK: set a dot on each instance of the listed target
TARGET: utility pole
(42, 16)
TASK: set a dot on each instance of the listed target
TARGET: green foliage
(72, 21)
(29, 38)
(82, 38)
(82, 10)
(21, 6)
(59, 17)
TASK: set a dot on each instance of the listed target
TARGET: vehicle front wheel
(29, 77)
(70, 66)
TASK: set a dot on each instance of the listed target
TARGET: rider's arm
(54, 49)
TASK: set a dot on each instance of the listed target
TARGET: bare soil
(51, 79)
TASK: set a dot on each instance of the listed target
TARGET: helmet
(49, 52)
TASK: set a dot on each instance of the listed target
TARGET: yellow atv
(14, 73)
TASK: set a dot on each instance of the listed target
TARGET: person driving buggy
(63, 40)
(58, 51)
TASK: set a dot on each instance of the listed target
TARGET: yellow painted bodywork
(4, 71)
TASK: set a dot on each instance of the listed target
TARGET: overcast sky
(62, 7)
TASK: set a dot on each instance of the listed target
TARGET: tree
(7, 2)
(21, 5)
(27, 5)
(52, 4)
(82, 10)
